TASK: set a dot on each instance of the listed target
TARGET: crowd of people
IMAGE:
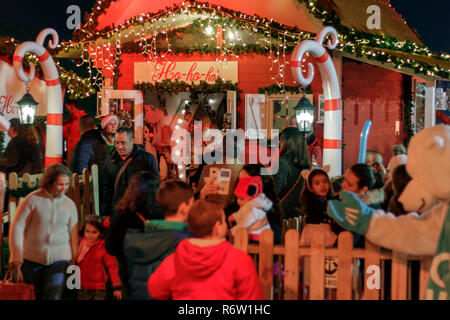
(164, 238)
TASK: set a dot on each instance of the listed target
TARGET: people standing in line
(109, 124)
(95, 263)
(360, 179)
(137, 205)
(23, 153)
(145, 250)
(254, 206)
(207, 266)
(126, 160)
(315, 151)
(43, 236)
(294, 158)
(314, 197)
(91, 148)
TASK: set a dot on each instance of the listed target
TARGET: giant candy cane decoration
(332, 141)
(54, 139)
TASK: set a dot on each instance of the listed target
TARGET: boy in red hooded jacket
(206, 267)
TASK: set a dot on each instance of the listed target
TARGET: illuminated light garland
(76, 86)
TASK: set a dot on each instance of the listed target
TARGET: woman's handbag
(19, 290)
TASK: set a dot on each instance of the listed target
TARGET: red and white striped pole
(332, 141)
(54, 138)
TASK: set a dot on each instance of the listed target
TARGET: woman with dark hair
(44, 235)
(23, 153)
(137, 205)
(294, 157)
(275, 213)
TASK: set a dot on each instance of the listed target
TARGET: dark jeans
(49, 281)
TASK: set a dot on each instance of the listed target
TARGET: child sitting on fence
(93, 259)
(314, 197)
(254, 206)
(207, 266)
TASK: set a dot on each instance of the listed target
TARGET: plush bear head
(429, 167)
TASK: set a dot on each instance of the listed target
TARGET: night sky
(21, 18)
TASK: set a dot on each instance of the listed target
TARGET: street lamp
(304, 113)
(27, 108)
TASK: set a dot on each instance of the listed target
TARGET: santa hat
(249, 187)
(108, 119)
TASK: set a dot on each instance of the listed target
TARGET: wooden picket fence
(265, 253)
(85, 195)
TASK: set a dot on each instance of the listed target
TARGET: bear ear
(305, 174)
(326, 168)
(435, 142)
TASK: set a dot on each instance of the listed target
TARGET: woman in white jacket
(44, 235)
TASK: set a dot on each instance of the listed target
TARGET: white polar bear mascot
(426, 234)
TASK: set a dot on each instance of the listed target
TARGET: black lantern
(27, 108)
(304, 113)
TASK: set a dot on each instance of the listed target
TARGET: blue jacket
(145, 250)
